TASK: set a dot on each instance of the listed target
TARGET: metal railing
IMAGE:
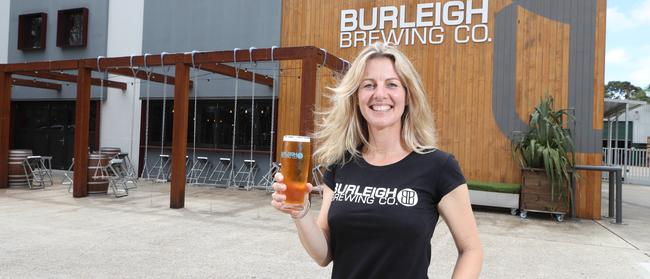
(615, 190)
(635, 163)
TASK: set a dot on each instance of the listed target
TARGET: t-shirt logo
(382, 196)
(407, 197)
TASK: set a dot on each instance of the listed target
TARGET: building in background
(485, 65)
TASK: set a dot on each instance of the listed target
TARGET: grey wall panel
(580, 15)
(97, 36)
(183, 26)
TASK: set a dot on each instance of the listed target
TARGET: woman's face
(382, 96)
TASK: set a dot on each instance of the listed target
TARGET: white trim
(5, 14)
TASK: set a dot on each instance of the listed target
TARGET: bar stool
(223, 167)
(317, 179)
(266, 182)
(130, 172)
(117, 178)
(66, 176)
(245, 176)
(35, 172)
(198, 168)
(47, 163)
(158, 171)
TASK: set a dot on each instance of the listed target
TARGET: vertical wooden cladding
(542, 62)
(458, 78)
(599, 69)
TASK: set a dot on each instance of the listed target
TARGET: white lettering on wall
(424, 24)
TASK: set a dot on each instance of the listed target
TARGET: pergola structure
(212, 61)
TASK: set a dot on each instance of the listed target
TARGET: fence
(635, 163)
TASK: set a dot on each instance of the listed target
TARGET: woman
(386, 183)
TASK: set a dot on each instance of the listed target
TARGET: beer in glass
(295, 158)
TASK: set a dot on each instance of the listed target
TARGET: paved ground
(227, 233)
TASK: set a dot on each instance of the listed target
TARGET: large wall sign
(361, 27)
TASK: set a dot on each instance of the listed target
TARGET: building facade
(485, 65)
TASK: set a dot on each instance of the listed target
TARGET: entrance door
(58, 132)
(47, 128)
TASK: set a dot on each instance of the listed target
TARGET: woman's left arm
(456, 210)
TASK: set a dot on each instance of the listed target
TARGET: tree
(625, 90)
(644, 95)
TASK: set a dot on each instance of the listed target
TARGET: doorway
(47, 128)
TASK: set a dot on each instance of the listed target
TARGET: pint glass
(295, 157)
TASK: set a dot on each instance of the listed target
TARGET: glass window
(215, 123)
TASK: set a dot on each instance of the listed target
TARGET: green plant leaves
(547, 144)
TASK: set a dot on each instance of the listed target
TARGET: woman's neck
(385, 147)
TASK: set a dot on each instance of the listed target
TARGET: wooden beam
(36, 84)
(72, 78)
(200, 58)
(179, 136)
(263, 54)
(143, 76)
(227, 70)
(223, 56)
(82, 125)
(308, 80)
(5, 121)
(41, 66)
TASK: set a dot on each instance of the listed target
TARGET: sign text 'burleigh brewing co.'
(359, 29)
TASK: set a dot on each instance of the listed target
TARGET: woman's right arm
(313, 232)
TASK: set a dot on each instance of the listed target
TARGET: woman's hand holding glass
(279, 197)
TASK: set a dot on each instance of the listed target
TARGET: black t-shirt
(382, 218)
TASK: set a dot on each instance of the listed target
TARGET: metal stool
(198, 168)
(36, 172)
(131, 174)
(47, 163)
(245, 176)
(117, 178)
(159, 169)
(66, 176)
(223, 168)
(317, 179)
(266, 182)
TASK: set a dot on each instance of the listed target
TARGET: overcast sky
(627, 55)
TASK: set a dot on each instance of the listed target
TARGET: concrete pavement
(228, 233)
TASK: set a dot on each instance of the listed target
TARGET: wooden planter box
(536, 194)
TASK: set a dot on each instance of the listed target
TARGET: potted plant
(545, 152)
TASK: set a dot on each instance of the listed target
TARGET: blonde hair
(342, 129)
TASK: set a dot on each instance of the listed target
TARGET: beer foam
(296, 138)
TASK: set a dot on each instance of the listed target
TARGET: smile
(381, 107)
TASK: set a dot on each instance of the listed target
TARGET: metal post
(625, 144)
(573, 194)
(619, 198)
(609, 142)
(616, 162)
(614, 173)
(612, 190)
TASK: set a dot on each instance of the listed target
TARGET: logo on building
(361, 27)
